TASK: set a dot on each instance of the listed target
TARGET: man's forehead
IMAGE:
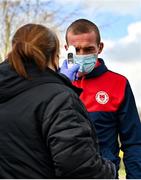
(84, 37)
(84, 40)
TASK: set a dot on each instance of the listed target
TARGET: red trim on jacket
(102, 93)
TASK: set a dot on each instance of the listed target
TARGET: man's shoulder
(117, 75)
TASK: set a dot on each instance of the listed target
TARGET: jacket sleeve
(71, 141)
(130, 135)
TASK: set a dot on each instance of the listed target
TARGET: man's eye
(77, 50)
(89, 50)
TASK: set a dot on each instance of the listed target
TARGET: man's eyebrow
(89, 48)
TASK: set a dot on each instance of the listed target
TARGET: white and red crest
(102, 97)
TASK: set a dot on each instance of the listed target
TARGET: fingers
(75, 68)
(64, 64)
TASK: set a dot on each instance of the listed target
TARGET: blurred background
(119, 22)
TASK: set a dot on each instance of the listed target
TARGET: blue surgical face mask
(86, 62)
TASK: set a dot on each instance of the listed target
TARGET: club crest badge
(102, 97)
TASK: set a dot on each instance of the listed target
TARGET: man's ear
(101, 46)
(66, 47)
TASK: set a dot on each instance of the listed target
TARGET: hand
(69, 72)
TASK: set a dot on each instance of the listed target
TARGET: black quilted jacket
(44, 129)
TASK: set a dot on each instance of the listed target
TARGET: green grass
(122, 174)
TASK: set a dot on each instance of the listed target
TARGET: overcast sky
(119, 22)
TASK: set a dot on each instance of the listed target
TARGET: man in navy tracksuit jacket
(110, 102)
(108, 98)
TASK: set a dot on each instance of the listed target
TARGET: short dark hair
(83, 26)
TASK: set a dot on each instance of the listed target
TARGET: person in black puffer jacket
(45, 131)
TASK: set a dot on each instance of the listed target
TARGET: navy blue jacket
(110, 102)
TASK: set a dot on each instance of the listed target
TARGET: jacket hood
(12, 84)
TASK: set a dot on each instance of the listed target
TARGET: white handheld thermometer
(70, 55)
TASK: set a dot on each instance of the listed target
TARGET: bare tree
(5, 25)
(15, 13)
